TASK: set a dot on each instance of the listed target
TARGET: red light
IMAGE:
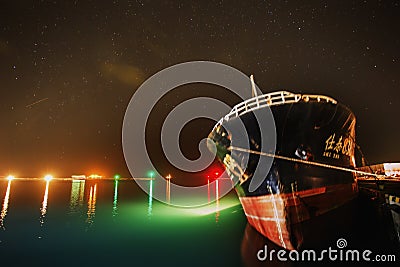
(216, 173)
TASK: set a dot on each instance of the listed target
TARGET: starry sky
(69, 68)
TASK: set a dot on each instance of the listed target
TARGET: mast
(253, 87)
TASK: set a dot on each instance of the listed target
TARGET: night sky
(69, 68)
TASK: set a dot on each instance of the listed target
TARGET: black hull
(305, 131)
(292, 190)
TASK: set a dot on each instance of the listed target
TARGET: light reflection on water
(119, 210)
(91, 213)
(77, 195)
(217, 208)
(5, 205)
(96, 216)
(150, 206)
(43, 209)
(115, 202)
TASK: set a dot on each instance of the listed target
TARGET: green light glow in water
(150, 208)
(118, 218)
(165, 214)
(115, 202)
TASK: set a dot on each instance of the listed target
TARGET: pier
(384, 194)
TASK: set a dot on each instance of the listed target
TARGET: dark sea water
(114, 223)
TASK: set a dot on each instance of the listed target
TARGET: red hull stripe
(272, 215)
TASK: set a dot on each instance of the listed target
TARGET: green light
(151, 173)
(117, 176)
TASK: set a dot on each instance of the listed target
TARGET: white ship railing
(272, 99)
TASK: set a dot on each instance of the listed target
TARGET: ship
(311, 170)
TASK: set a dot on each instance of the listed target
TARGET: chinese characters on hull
(335, 146)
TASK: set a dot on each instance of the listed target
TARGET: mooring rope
(305, 161)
